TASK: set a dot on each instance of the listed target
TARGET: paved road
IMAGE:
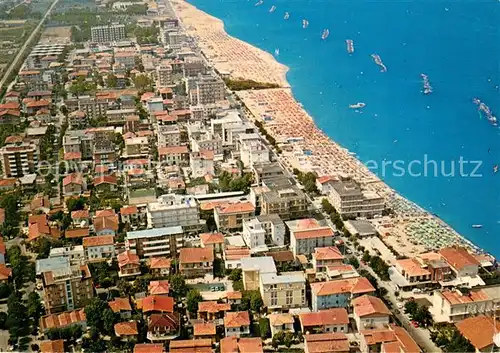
(25, 45)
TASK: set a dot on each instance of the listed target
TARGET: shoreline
(411, 231)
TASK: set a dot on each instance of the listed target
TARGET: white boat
(272, 9)
(357, 105)
(276, 52)
(305, 23)
(477, 226)
(325, 34)
(260, 2)
(287, 16)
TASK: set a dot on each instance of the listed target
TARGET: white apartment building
(107, 33)
(253, 150)
(206, 89)
(274, 227)
(350, 200)
(147, 243)
(201, 163)
(254, 235)
(75, 254)
(174, 210)
(207, 142)
(307, 234)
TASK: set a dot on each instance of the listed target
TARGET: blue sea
(456, 43)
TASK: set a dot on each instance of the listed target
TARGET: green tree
(178, 285)
(423, 316)
(458, 343)
(366, 257)
(327, 206)
(354, 262)
(111, 81)
(265, 330)
(142, 82)
(75, 204)
(17, 320)
(235, 275)
(411, 307)
(192, 300)
(279, 337)
(288, 339)
(98, 316)
(34, 308)
(5, 290)
(256, 302)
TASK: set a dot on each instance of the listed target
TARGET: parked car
(414, 323)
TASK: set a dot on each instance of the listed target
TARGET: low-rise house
(233, 255)
(174, 155)
(456, 305)
(327, 343)
(159, 266)
(214, 240)
(106, 224)
(370, 312)
(212, 310)
(163, 327)
(196, 262)
(75, 233)
(307, 234)
(80, 218)
(331, 320)
(157, 304)
(149, 348)
(198, 346)
(55, 346)
(75, 254)
(121, 306)
(280, 322)
(73, 184)
(205, 330)
(159, 288)
(462, 263)
(391, 339)
(39, 227)
(284, 291)
(339, 293)
(128, 264)
(237, 323)
(63, 320)
(99, 247)
(328, 256)
(131, 215)
(127, 330)
(230, 216)
(105, 183)
(480, 331)
(234, 298)
(241, 345)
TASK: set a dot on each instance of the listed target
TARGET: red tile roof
(80, 214)
(105, 179)
(73, 178)
(367, 305)
(313, 233)
(204, 329)
(213, 307)
(335, 316)
(149, 348)
(158, 303)
(326, 343)
(76, 233)
(236, 319)
(164, 320)
(159, 262)
(106, 223)
(191, 346)
(120, 304)
(212, 238)
(5, 272)
(127, 328)
(458, 257)
(128, 210)
(68, 156)
(126, 258)
(328, 253)
(162, 151)
(158, 287)
(56, 346)
(238, 207)
(62, 320)
(479, 330)
(196, 255)
(358, 285)
(455, 297)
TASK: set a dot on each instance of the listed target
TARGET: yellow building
(284, 291)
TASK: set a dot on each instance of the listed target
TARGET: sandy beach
(228, 54)
(410, 230)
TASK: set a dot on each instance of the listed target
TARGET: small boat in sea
(272, 9)
(484, 109)
(260, 2)
(427, 86)
(379, 62)
(350, 46)
(276, 52)
(325, 34)
(477, 226)
(287, 16)
(495, 168)
(357, 105)
(305, 23)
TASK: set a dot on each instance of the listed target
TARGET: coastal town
(162, 191)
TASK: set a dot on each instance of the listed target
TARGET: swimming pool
(209, 287)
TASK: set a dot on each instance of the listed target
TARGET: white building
(174, 210)
(201, 163)
(350, 200)
(75, 254)
(307, 234)
(156, 242)
(254, 235)
(274, 227)
(107, 33)
(252, 149)
(99, 248)
(169, 135)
